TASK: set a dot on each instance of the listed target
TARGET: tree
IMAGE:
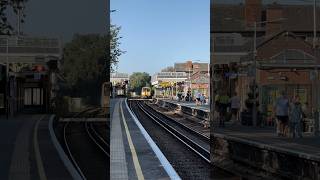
(84, 65)
(115, 51)
(18, 6)
(138, 80)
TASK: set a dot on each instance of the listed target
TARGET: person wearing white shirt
(235, 106)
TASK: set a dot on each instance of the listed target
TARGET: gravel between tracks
(187, 164)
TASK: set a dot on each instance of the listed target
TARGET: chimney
(189, 65)
(274, 12)
(252, 12)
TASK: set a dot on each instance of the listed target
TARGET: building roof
(29, 49)
(200, 78)
(120, 75)
(287, 56)
(190, 66)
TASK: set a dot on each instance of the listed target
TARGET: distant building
(191, 67)
(119, 83)
(169, 83)
(117, 78)
(200, 83)
(166, 83)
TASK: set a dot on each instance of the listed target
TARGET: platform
(268, 155)
(190, 108)
(133, 153)
(27, 150)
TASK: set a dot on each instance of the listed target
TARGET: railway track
(86, 147)
(190, 123)
(189, 159)
(195, 141)
(191, 130)
(186, 148)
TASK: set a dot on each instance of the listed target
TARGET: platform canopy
(27, 49)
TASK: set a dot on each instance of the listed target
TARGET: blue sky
(158, 33)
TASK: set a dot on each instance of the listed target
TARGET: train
(146, 92)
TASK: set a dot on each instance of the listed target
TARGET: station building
(186, 76)
(286, 58)
(166, 84)
(31, 71)
(119, 83)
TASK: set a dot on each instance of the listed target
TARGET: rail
(192, 145)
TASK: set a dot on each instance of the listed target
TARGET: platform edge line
(73, 172)
(41, 171)
(163, 160)
(132, 148)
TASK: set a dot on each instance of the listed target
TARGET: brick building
(285, 62)
(232, 30)
(285, 55)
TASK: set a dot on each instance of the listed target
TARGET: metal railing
(30, 45)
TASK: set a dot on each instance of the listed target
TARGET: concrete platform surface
(27, 151)
(133, 156)
(265, 137)
(203, 107)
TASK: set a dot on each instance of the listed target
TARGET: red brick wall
(274, 14)
(299, 77)
(252, 11)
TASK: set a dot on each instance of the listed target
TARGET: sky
(63, 18)
(158, 33)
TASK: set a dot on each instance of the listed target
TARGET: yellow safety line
(41, 171)
(133, 150)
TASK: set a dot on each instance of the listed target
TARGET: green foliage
(115, 51)
(16, 5)
(84, 64)
(139, 80)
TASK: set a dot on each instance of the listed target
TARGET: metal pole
(19, 19)
(316, 115)
(254, 108)
(190, 86)
(7, 76)
(176, 83)
(314, 24)
(209, 81)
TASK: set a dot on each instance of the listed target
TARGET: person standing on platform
(281, 109)
(216, 104)
(296, 117)
(224, 102)
(198, 97)
(235, 106)
(202, 99)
